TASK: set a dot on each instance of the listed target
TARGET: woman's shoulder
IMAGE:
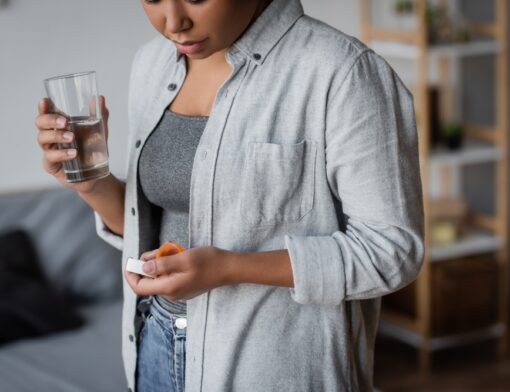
(328, 53)
(325, 41)
(338, 51)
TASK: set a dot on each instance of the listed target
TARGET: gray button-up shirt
(311, 146)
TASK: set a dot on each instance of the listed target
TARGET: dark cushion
(29, 305)
(73, 257)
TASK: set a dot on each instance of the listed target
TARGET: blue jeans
(161, 351)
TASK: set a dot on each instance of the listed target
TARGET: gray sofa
(79, 264)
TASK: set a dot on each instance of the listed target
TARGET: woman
(289, 151)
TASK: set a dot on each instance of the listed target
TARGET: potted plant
(452, 135)
(462, 35)
(439, 25)
(404, 9)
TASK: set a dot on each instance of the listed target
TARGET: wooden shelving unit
(414, 320)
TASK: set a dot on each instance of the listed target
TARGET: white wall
(342, 14)
(39, 39)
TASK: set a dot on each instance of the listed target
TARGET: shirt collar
(265, 32)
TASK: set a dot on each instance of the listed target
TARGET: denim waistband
(174, 307)
(166, 319)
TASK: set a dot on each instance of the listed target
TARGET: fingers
(148, 255)
(52, 131)
(163, 265)
(105, 114)
(104, 109)
(147, 286)
(43, 106)
(54, 136)
(132, 279)
(155, 266)
(50, 121)
(56, 156)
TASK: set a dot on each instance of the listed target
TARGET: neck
(218, 58)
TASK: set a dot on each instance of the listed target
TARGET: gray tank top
(165, 167)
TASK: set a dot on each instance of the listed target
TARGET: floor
(471, 368)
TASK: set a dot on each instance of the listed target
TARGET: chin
(198, 56)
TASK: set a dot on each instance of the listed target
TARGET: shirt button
(138, 142)
(172, 86)
(133, 211)
(203, 155)
(257, 56)
(181, 323)
(131, 338)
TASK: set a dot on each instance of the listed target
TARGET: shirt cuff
(107, 235)
(317, 270)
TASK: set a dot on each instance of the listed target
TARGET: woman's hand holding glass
(53, 129)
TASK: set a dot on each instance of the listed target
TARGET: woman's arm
(105, 196)
(271, 268)
(187, 274)
(373, 169)
(107, 199)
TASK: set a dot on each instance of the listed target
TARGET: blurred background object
(71, 340)
(453, 56)
(448, 220)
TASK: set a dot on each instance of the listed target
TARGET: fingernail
(71, 153)
(149, 267)
(68, 136)
(61, 121)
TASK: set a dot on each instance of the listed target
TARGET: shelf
(411, 320)
(408, 51)
(395, 317)
(472, 152)
(414, 339)
(479, 241)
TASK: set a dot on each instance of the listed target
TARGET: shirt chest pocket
(277, 184)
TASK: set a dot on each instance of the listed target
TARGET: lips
(188, 42)
(190, 47)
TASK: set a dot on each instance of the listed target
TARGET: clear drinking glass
(75, 97)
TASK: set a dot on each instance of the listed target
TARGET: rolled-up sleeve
(107, 235)
(372, 168)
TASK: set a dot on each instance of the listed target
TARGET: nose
(176, 19)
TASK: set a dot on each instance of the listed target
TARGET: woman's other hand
(183, 275)
(53, 129)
